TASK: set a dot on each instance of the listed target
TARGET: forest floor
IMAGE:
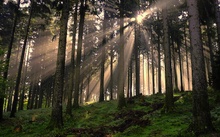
(144, 116)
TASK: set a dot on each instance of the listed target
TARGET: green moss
(104, 117)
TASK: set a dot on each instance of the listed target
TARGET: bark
(40, 100)
(21, 103)
(152, 66)
(128, 88)
(169, 104)
(36, 96)
(33, 94)
(174, 66)
(81, 92)
(18, 79)
(49, 92)
(201, 114)
(8, 55)
(121, 98)
(143, 76)
(130, 81)
(102, 85)
(159, 58)
(111, 74)
(217, 15)
(79, 52)
(180, 64)
(187, 58)
(9, 100)
(148, 73)
(56, 115)
(137, 59)
(29, 95)
(88, 88)
(1, 106)
(72, 73)
(211, 54)
(129, 93)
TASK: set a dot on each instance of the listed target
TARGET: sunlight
(95, 83)
(139, 19)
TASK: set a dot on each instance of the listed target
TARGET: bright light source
(139, 19)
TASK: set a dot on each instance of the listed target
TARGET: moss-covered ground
(144, 116)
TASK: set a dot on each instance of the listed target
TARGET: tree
(152, 64)
(175, 81)
(217, 15)
(111, 72)
(102, 85)
(79, 52)
(159, 52)
(8, 55)
(1, 85)
(56, 115)
(71, 80)
(216, 73)
(168, 71)
(137, 58)
(18, 79)
(121, 98)
(201, 114)
(129, 92)
(187, 58)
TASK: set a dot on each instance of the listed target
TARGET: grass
(143, 117)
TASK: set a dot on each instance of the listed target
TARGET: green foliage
(97, 118)
(216, 117)
(131, 130)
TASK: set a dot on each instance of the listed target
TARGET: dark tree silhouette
(201, 113)
(56, 115)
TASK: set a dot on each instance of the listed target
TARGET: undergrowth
(142, 117)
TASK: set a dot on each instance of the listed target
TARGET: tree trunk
(143, 75)
(8, 55)
(152, 66)
(36, 96)
(79, 52)
(211, 54)
(174, 66)
(56, 115)
(128, 88)
(1, 106)
(88, 88)
(137, 58)
(180, 64)
(187, 58)
(111, 74)
(102, 76)
(121, 98)
(81, 92)
(129, 93)
(169, 104)
(33, 94)
(21, 103)
(159, 57)
(148, 73)
(9, 100)
(18, 79)
(29, 95)
(217, 15)
(72, 71)
(40, 100)
(201, 113)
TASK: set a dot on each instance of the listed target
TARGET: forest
(110, 68)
